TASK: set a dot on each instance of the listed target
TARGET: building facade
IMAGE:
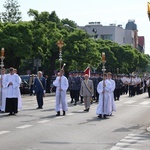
(115, 33)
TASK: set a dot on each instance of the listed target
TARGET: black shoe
(10, 114)
(71, 101)
(64, 113)
(74, 104)
(105, 117)
(99, 116)
(58, 113)
(87, 110)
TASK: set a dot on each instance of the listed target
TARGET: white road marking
(3, 132)
(43, 121)
(24, 126)
(70, 114)
(145, 103)
(129, 102)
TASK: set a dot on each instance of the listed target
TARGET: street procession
(84, 87)
(74, 75)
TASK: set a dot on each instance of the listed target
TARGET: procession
(83, 87)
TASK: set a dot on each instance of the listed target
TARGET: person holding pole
(61, 84)
(104, 89)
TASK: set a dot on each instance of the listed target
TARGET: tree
(17, 41)
(12, 13)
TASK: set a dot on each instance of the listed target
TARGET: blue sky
(104, 11)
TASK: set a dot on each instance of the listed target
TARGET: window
(107, 37)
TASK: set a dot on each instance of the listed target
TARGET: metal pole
(2, 65)
(103, 70)
(60, 56)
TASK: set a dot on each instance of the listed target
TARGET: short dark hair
(11, 69)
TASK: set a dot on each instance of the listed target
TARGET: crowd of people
(103, 89)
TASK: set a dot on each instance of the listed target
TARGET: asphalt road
(33, 129)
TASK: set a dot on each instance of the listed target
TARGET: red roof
(141, 41)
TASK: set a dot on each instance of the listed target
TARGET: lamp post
(2, 65)
(60, 44)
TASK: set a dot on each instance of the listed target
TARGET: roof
(131, 25)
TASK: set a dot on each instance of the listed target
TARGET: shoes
(71, 101)
(39, 108)
(74, 104)
(58, 113)
(87, 110)
(64, 113)
(11, 113)
(105, 117)
(99, 116)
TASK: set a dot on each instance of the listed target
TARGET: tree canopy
(25, 41)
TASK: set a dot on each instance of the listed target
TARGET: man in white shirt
(12, 84)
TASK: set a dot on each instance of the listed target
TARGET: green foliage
(37, 39)
(12, 13)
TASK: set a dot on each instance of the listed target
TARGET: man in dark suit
(39, 89)
(76, 84)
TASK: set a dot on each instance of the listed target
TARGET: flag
(87, 71)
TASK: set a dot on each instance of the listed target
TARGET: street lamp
(2, 65)
(60, 44)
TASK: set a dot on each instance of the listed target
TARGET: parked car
(24, 86)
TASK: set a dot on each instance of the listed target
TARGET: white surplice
(61, 101)
(19, 95)
(104, 105)
(3, 96)
(12, 90)
(113, 86)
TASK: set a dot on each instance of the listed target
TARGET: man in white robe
(104, 105)
(113, 86)
(3, 90)
(19, 93)
(61, 84)
(12, 84)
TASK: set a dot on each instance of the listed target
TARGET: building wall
(112, 32)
